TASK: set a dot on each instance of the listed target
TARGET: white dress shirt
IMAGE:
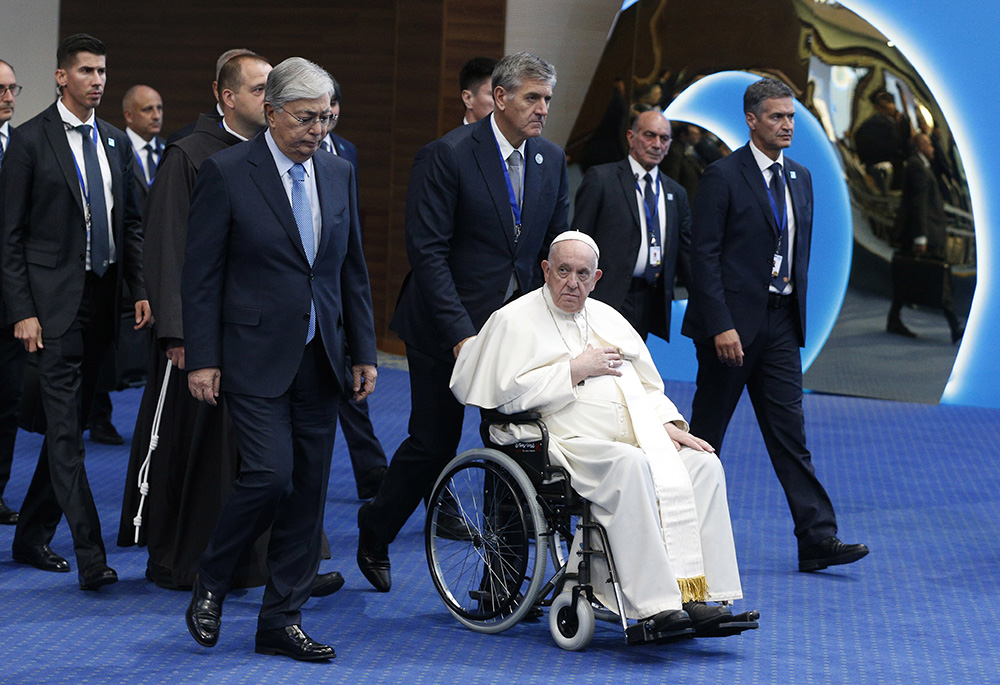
(639, 173)
(764, 162)
(139, 145)
(75, 139)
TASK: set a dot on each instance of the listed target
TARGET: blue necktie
(303, 219)
(1, 153)
(100, 250)
(326, 145)
(777, 187)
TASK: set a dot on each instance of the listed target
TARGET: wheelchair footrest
(637, 634)
(740, 623)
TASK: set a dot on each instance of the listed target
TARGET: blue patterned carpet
(919, 484)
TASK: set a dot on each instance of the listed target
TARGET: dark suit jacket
(606, 209)
(733, 238)
(247, 284)
(346, 149)
(460, 234)
(43, 226)
(921, 209)
(141, 187)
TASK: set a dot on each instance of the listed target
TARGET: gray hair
(764, 89)
(514, 69)
(297, 79)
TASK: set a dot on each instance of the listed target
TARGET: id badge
(654, 255)
(776, 266)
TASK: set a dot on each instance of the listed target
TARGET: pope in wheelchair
(658, 491)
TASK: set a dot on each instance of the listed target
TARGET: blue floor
(919, 484)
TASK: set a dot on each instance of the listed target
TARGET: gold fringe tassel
(693, 589)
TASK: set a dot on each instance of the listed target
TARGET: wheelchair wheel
(572, 627)
(486, 540)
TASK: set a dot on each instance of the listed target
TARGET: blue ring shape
(716, 103)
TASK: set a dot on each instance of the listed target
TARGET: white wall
(570, 34)
(29, 36)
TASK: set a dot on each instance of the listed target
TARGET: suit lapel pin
(791, 174)
(538, 158)
(670, 197)
(111, 142)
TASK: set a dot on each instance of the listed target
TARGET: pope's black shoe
(326, 584)
(707, 617)
(292, 641)
(204, 615)
(668, 621)
(373, 556)
(8, 516)
(41, 557)
(97, 577)
(830, 552)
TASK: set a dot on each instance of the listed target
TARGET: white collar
(138, 143)
(225, 125)
(638, 171)
(5, 129)
(505, 147)
(69, 118)
(763, 161)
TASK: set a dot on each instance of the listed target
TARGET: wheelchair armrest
(495, 416)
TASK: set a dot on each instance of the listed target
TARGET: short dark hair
(336, 91)
(231, 74)
(764, 89)
(78, 42)
(475, 71)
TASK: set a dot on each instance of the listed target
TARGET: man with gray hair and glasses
(274, 294)
(489, 198)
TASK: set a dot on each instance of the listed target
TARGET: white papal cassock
(665, 512)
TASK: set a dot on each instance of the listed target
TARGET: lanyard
(652, 225)
(514, 207)
(782, 220)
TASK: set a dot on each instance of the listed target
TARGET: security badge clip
(776, 266)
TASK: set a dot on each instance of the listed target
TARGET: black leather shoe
(369, 483)
(706, 617)
(106, 434)
(41, 557)
(668, 621)
(897, 327)
(830, 552)
(326, 584)
(97, 577)
(373, 556)
(292, 641)
(204, 615)
(8, 516)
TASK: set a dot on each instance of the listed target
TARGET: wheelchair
(496, 515)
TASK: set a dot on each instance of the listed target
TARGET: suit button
(305, 317)
(312, 277)
(501, 293)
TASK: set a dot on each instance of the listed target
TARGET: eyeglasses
(307, 122)
(15, 90)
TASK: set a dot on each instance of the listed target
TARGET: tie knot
(515, 158)
(84, 129)
(776, 169)
(149, 147)
(648, 178)
(297, 172)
